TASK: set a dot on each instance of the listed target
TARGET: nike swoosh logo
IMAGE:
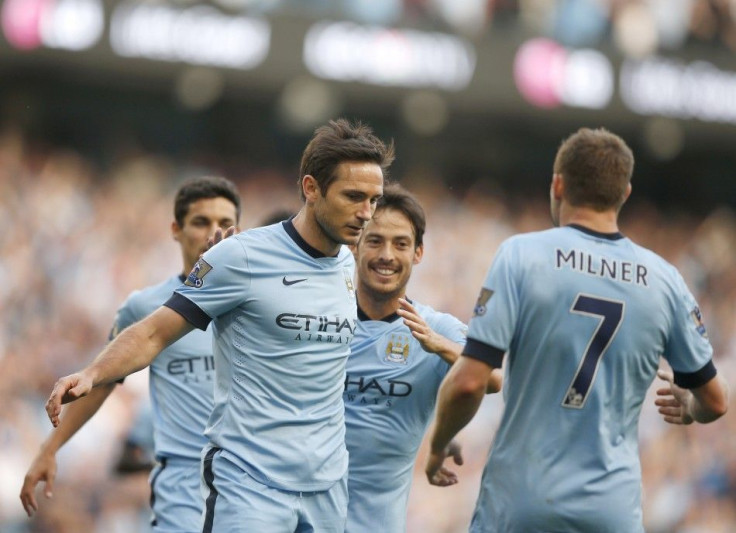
(288, 282)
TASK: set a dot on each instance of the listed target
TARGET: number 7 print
(610, 313)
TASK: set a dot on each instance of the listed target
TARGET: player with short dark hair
(583, 315)
(401, 351)
(282, 303)
(181, 377)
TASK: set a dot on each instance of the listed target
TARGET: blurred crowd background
(93, 144)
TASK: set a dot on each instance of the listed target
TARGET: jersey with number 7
(584, 318)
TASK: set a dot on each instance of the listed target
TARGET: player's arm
(132, 350)
(702, 404)
(458, 400)
(43, 467)
(433, 342)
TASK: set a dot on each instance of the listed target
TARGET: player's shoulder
(529, 243)
(142, 302)
(531, 237)
(259, 237)
(656, 263)
(248, 242)
(275, 230)
(152, 293)
(345, 256)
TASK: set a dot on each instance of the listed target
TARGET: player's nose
(365, 211)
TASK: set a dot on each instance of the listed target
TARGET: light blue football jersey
(390, 391)
(283, 317)
(584, 318)
(181, 378)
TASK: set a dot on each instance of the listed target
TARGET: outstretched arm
(458, 400)
(43, 467)
(702, 404)
(131, 351)
(433, 342)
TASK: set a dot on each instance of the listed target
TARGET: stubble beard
(329, 232)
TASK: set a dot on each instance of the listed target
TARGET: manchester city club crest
(397, 349)
(349, 283)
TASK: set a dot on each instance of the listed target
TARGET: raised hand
(430, 341)
(219, 235)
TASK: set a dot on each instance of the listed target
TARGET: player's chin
(382, 287)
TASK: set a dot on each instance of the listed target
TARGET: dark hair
(204, 187)
(596, 166)
(398, 198)
(339, 141)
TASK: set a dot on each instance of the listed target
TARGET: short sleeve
(688, 349)
(496, 311)
(219, 280)
(124, 317)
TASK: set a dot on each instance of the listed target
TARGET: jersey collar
(609, 236)
(304, 245)
(390, 318)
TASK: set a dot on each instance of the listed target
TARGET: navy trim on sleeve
(481, 351)
(189, 310)
(693, 380)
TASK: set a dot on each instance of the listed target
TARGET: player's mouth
(384, 271)
(355, 229)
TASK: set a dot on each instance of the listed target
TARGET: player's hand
(219, 236)
(430, 341)
(437, 474)
(673, 401)
(66, 390)
(43, 468)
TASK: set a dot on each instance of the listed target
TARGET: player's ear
(557, 188)
(418, 254)
(624, 197)
(175, 230)
(310, 187)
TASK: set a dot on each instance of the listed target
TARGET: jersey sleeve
(495, 315)
(125, 316)
(217, 284)
(450, 327)
(688, 349)
(453, 329)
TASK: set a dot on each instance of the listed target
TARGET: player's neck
(313, 234)
(600, 221)
(188, 266)
(375, 307)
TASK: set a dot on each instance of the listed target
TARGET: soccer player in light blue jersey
(584, 316)
(181, 377)
(282, 305)
(400, 352)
